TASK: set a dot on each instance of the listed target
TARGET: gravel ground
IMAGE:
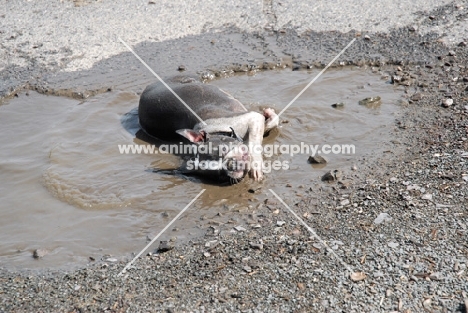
(401, 218)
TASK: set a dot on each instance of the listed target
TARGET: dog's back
(161, 113)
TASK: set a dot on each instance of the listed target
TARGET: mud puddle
(67, 189)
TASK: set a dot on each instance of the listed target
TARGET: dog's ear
(192, 135)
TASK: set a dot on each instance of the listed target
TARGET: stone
(358, 276)
(164, 246)
(240, 228)
(447, 103)
(427, 196)
(381, 218)
(417, 96)
(317, 159)
(40, 253)
(331, 176)
(371, 101)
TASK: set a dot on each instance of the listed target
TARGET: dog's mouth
(236, 165)
(235, 169)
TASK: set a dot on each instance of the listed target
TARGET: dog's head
(221, 155)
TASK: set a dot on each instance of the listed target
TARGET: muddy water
(66, 188)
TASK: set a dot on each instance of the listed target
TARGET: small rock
(417, 96)
(371, 101)
(393, 180)
(427, 196)
(240, 228)
(344, 184)
(164, 246)
(338, 105)
(392, 244)
(331, 176)
(344, 202)
(462, 44)
(181, 68)
(465, 177)
(447, 102)
(211, 243)
(366, 37)
(247, 268)
(206, 254)
(358, 276)
(256, 246)
(280, 223)
(436, 276)
(113, 260)
(427, 304)
(382, 217)
(40, 253)
(301, 286)
(317, 159)
(396, 79)
(452, 53)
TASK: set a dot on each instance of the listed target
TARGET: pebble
(393, 244)
(40, 253)
(331, 176)
(358, 276)
(344, 202)
(240, 228)
(427, 196)
(447, 103)
(256, 246)
(338, 105)
(371, 101)
(417, 96)
(164, 246)
(436, 276)
(280, 223)
(382, 217)
(181, 68)
(317, 159)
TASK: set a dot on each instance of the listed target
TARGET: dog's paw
(256, 168)
(271, 119)
(269, 113)
(256, 174)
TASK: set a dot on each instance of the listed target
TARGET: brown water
(66, 188)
